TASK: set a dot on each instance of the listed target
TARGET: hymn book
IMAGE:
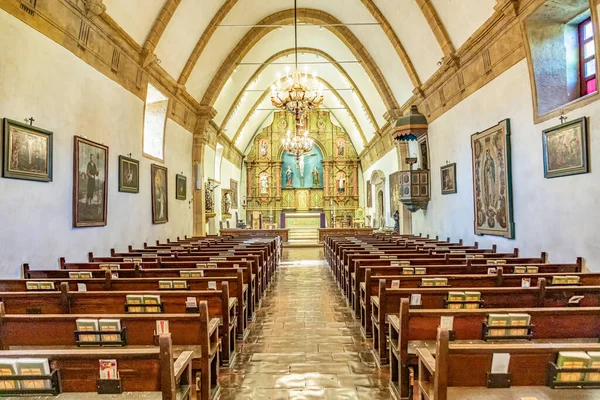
(34, 367)
(108, 369)
(594, 363)
(455, 300)
(110, 325)
(152, 299)
(134, 299)
(572, 359)
(8, 367)
(88, 325)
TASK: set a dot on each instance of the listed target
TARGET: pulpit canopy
(411, 126)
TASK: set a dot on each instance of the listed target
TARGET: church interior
(239, 197)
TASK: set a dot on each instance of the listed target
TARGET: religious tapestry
(492, 187)
(27, 152)
(304, 171)
(160, 198)
(448, 177)
(395, 183)
(129, 175)
(180, 187)
(369, 194)
(226, 203)
(565, 149)
(90, 183)
(234, 194)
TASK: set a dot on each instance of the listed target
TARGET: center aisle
(304, 343)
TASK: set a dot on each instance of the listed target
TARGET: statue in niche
(226, 203)
(288, 177)
(341, 183)
(264, 184)
(263, 148)
(341, 148)
(315, 177)
(300, 163)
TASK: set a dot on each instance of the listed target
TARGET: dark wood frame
(509, 233)
(184, 179)
(582, 60)
(153, 169)
(76, 223)
(122, 187)
(448, 166)
(6, 156)
(584, 156)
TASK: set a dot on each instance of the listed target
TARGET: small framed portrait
(160, 198)
(234, 194)
(566, 149)
(90, 186)
(129, 175)
(448, 174)
(180, 187)
(27, 152)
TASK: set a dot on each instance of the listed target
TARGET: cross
(30, 120)
(562, 119)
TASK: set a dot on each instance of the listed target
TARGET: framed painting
(129, 175)
(234, 194)
(492, 186)
(448, 176)
(90, 183)
(27, 152)
(180, 187)
(369, 194)
(160, 194)
(565, 149)
(395, 184)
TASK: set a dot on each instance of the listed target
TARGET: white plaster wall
(388, 164)
(40, 78)
(557, 215)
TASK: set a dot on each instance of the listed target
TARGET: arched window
(155, 116)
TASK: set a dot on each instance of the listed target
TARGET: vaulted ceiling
(370, 54)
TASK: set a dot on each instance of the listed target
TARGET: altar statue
(288, 177)
(315, 177)
(300, 163)
(264, 184)
(396, 222)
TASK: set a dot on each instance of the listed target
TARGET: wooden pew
(220, 305)
(459, 371)
(388, 302)
(151, 369)
(370, 286)
(413, 329)
(235, 285)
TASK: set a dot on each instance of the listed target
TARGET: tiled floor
(304, 343)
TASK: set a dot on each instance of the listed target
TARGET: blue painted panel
(302, 179)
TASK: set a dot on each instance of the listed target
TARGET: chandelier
(297, 145)
(302, 92)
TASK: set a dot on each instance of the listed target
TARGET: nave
(304, 343)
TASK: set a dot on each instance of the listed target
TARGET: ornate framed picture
(160, 194)
(492, 181)
(234, 194)
(395, 184)
(369, 194)
(90, 183)
(180, 187)
(129, 175)
(27, 152)
(448, 177)
(566, 149)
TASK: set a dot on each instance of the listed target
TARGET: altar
(303, 227)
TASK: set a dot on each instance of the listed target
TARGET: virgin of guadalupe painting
(129, 175)
(90, 183)
(492, 187)
(160, 198)
(180, 187)
(565, 149)
(448, 174)
(27, 152)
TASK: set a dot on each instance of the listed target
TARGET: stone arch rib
(158, 28)
(437, 27)
(313, 16)
(305, 50)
